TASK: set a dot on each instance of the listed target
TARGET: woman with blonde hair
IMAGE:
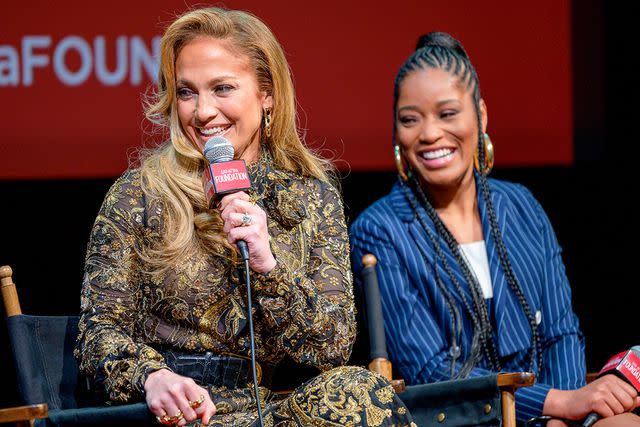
(164, 311)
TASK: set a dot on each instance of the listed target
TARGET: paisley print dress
(303, 308)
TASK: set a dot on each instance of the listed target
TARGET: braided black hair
(439, 50)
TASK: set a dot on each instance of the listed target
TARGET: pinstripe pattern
(417, 323)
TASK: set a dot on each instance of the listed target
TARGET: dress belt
(207, 368)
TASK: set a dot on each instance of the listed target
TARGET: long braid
(441, 51)
(482, 324)
(454, 314)
(512, 280)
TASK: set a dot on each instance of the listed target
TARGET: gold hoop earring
(397, 155)
(267, 122)
(489, 157)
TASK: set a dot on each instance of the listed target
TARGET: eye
(223, 89)
(447, 114)
(407, 120)
(184, 93)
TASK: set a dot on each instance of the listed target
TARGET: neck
(461, 196)
(457, 206)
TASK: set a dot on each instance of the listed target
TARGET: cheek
(185, 112)
(405, 138)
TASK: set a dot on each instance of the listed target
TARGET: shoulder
(125, 196)
(511, 190)
(516, 199)
(311, 189)
(126, 188)
(290, 198)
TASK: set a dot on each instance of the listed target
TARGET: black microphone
(626, 366)
(223, 175)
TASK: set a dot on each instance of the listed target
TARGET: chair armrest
(24, 413)
(508, 383)
(383, 367)
(516, 379)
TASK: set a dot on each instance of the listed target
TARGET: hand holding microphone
(625, 366)
(224, 181)
(247, 222)
(606, 396)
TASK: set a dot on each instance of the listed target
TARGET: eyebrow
(210, 82)
(416, 108)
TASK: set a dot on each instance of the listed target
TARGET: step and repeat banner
(74, 75)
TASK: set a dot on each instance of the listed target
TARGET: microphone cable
(245, 257)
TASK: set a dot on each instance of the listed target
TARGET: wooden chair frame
(20, 415)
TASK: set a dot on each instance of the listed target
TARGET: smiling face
(437, 127)
(218, 95)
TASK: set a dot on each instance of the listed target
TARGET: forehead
(432, 84)
(210, 54)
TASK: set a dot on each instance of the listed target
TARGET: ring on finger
(194, 404)
(246, 219)
(165, 420)
(176, 419)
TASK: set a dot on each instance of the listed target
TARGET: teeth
(436, 154)
(212, 131)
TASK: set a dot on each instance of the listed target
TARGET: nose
(430, 132)
(206, 109)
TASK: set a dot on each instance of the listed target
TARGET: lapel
(422, 244)
(512, 327)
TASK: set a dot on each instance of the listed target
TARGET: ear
(484, 117)
(267, 100)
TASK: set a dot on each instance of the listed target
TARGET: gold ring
(165, 420)
(196, 403)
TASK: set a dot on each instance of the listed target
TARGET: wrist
(154, 376)
(269, 265)
(555, 403)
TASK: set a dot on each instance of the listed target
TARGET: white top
(476, 254)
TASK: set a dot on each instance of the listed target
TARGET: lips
(436, 154)
(438, 158)
(212, 131)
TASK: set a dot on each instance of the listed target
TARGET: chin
(443, 178)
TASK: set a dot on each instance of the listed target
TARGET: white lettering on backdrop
(132, 56)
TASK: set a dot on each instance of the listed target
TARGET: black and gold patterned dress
(303, 308)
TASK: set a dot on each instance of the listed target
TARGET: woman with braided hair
(470, 272)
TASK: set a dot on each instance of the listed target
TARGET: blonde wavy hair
(173, 171)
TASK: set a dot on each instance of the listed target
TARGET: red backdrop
(60, 119)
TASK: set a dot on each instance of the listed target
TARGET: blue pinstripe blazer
(417, 322)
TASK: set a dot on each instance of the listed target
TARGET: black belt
(217, 370)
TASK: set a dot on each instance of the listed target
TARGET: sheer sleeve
(307, 299)
(111, 297)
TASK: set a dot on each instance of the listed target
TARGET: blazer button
(441, 417)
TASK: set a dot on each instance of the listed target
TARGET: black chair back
(461, 403)
(46, 370)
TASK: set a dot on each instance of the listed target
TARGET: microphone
(223, 175)
(624, 365)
